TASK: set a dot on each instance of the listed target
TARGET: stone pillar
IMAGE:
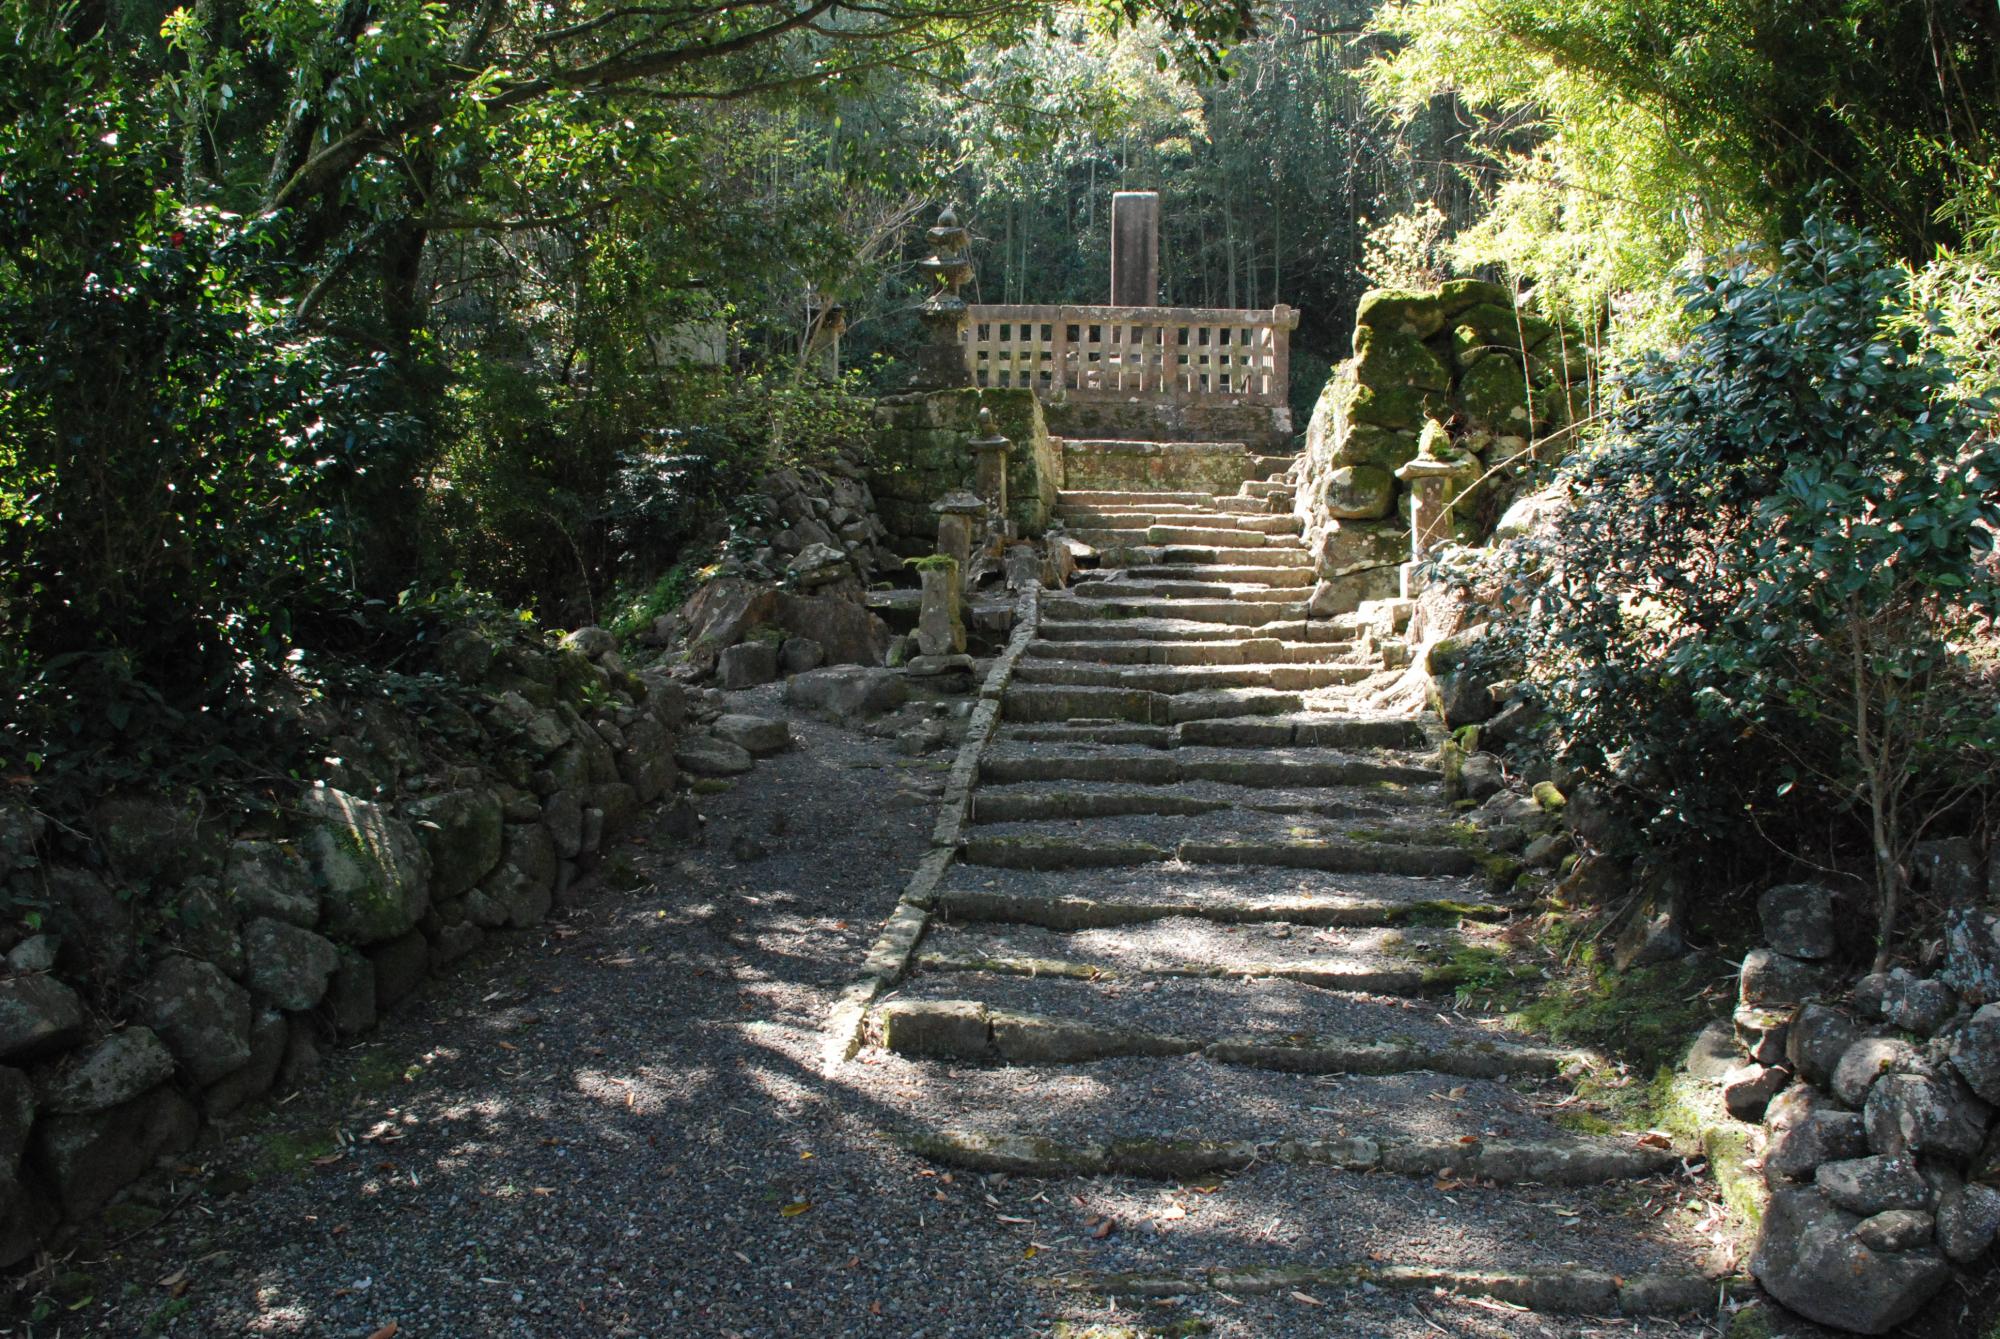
(1135, 249)
(940, 628)
(941, 363)
(990, 476)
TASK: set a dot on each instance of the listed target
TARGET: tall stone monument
(1135, 249)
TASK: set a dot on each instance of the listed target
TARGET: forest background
(326, 321)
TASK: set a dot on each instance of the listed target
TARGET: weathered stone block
(373, 872)
(201, 1016)
(460, 831)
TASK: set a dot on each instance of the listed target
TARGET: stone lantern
(940, 363)
(1436, 478)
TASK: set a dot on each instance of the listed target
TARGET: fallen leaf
(1104, 1229)
(1171, 1212)
(1654, 1139)
(328, 1159)
(1307, 1298)
(875, 1308)
(388, 1331)
(795, 1208)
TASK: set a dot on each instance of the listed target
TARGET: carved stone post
(941, 363)
(990, 477)
(940, 626)
(1436, 478)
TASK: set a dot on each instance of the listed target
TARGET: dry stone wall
(1494, 375)
(181, 963)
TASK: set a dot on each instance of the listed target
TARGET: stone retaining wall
(1261, 428)
(181, 963)
(922, 453)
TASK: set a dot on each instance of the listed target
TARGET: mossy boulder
(1504, 325)
(1384, 448)
(1360, 493)
(1403, 407)
(1494, 394)
(1459, 294)
(1399, 311)
(1387, 359)
(373, 873)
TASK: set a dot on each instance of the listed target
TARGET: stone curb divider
(1543, 1161)
(1572, 1291)
(890, 956)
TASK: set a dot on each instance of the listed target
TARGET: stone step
(1289, 554)
(1307, 730)
(1296, 767)
(1091, 497)
(1243, 651)
(1241, 613)
(1246, 505)
(1139, 519)
(998, 846)
(1136, 895)
(1209, 537)
(1550, 1160)
(1120, 586)
(1226, 574)
(1031, 702)
(1146, 630)
(1053, 801)
(1268, 488)
(1269, 1024)
(1175, 680)
(1091, 732)
(1265, 466)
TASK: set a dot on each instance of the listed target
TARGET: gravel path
(616, 1126)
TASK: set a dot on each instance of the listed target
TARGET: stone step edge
(889, 956)
(1407, 981)
(1558, 1291)
(1032, 804)
(1330, 857)
(1089, 913)
(969, 1030)
(1564, 1161)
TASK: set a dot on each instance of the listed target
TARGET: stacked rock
(1883, 1167)
(816, 528)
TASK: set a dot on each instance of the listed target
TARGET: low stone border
(889, 958)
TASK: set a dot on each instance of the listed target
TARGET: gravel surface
(1271, 1010)
(1208, 884)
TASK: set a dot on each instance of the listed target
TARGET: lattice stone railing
(1188, 355)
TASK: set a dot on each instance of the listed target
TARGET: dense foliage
(1757, 621)
(309, 310)
(1629, 134)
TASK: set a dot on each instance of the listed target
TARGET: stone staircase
(1201, 932)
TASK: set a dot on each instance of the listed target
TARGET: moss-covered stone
(1502, 325)
(1386, 358)
(1360, 492)
(1459, 294)
(1494, 395)
(1399, 407)
(1400, 311)
(922, 453)
(1384, 448)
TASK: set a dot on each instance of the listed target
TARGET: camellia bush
(1766, 618)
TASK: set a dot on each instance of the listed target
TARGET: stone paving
(1181, 935)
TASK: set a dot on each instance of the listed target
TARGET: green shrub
(1759, 617)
